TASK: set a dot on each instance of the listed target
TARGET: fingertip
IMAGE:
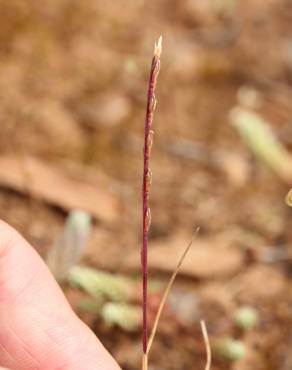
(29, 294)
(8, 237)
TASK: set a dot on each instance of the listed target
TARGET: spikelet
(147, 177)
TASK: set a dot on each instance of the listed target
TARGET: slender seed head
(147, 176)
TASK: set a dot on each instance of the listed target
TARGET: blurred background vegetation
(73, 79)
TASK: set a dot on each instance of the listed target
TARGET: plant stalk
(148, 139)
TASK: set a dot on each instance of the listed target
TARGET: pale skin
(38, 329)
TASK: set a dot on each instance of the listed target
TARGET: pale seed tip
(158, 47)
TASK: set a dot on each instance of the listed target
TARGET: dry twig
(207, 345)
(166, 293)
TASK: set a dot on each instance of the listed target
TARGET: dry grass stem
(288, 198)
(145, 361)
(166, 293)
(207, 345)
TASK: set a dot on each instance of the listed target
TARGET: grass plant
(147, 177)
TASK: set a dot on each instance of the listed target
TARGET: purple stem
(151, 102)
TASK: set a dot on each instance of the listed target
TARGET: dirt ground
(73, 79)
